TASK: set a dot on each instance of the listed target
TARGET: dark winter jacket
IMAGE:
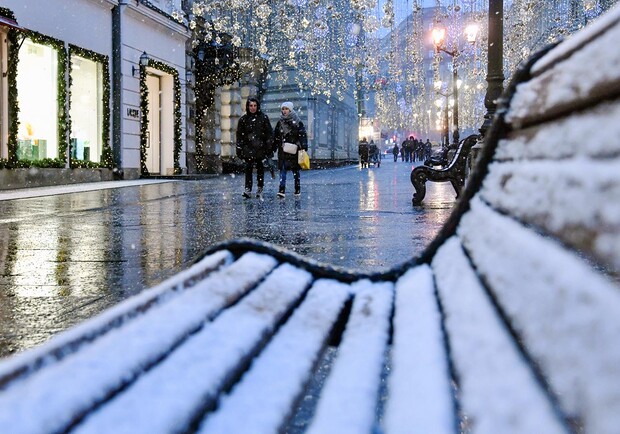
(362, 149)
(254, 134)
(290, 129)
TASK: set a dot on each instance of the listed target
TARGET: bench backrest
(538, 229)
(460, 156)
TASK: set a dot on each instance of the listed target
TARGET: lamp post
(444, 110)
(445, 124)
(495, 69)
(439, 35)
(455, 110)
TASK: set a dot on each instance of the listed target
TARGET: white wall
(85, 23)
(163, 40)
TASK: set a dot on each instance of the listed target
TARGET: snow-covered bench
(508, 323)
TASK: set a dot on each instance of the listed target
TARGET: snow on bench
(508, 322)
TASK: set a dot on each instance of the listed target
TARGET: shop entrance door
(153, 135)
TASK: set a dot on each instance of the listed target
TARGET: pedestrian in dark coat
(409, 146)
(254, 135)
(363, 151)
(289, 129)
(428, 149)
(395, 152)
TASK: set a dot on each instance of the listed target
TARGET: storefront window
(37, 93)
(86, 109)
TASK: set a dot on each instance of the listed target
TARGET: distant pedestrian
(409, 145)
(428, 149)
(373, 153)
(290, 132)
(363, 151)
(403, 149)
(419, 150)
(254, 134)
(395, 152)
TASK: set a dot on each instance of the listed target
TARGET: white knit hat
(289, 105)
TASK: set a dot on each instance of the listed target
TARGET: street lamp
(439, 35)
(440, 104)
(471, 33)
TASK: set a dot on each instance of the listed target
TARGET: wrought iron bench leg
(418, 179)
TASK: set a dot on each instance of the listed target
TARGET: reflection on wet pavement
(65, 258)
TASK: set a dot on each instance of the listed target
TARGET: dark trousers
(260, 173)
(295, 168)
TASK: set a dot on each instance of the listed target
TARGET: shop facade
(92, 84)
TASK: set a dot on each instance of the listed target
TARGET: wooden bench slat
(564, 312)
(563, 198)
(195, 373)
(349, 398)
(572, 136)
(572, 83)
(116, 358)
(420, 394)
(69, 341)
(497, 389)
(263, 399)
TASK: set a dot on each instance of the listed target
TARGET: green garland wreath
(7, 13)
(13, 106)
(63, 118)
(106, 158)
(144, 110)
(63, 99)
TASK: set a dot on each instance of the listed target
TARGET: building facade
(94, 84)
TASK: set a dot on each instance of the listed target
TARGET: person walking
(395, 152)
(289, 133)
(373, 153)
(254, 135)
(428, 149)
(363, 151)
(409, 146)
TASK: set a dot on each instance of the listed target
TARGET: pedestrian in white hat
(289, 138)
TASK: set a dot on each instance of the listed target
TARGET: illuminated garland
(144, 119)
(198, 135)
(63, 118)
(64, 97)
(106, 159)
(144, 110)
(13, 107)
(13, 58)
(8, 13)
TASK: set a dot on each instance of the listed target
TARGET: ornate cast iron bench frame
(455, 172)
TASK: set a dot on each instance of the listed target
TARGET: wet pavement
(65, 258)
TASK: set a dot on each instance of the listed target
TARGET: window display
(86, 109)
(37, 92)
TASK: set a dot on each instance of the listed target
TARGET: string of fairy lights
(335, 47)
(339, 47)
